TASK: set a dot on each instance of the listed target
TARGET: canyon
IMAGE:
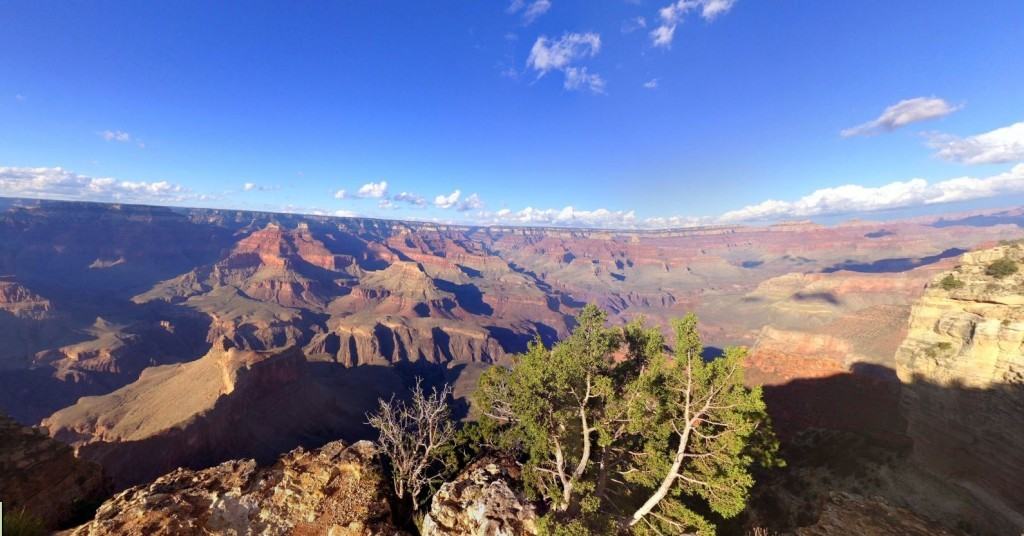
(213, 335)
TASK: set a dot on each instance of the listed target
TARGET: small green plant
(950, 282)
(1001, 268)
(21, 523)
(938, 348)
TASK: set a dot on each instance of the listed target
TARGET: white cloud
(675, 222)
(662, 35)
(579, 78)
(531, 10)
(673, 14)
(249, 186)
(713, 8)
(998, 146)
(902, 114)
(536, 9)
(547, 55)
(341, 194)
(345, 214)
(373, 190)
(412, 199)
(386, 204)
(447, 201)
(116, 135)
(853, 198)
(473, 202)
(651, 84)
(58, 183)
(567, 217)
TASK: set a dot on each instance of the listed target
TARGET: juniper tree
(628, 446)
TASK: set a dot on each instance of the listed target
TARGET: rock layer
(962, 364)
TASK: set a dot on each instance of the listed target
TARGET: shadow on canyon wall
(903, 264)
(854, 431)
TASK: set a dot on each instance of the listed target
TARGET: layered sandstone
(962, 365)
(336, 490)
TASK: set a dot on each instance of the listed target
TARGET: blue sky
(633, 113)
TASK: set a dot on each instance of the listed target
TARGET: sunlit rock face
(481, 500)
(336, 489)
(962, 365)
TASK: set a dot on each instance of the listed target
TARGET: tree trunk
(670, 478)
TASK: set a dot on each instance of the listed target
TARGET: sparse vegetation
(1001, 268)
(950, 282)
(650, 444)
(21, 523)
(938, 349)
(414, 436)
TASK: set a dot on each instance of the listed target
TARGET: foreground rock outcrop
(962, 365)
(42, 476)
(336, 490)
(481, 502)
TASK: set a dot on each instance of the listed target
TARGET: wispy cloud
(253, 187)
(342, 194)
(116, 135)
(121, 136)
(673, 14)
(58, 183)
(20, 98)
(634, 24)
(997, 146)
(852, 198)
(447, 201)
(548, 55)
(651, 84)
(530, 10)
(581, 78)
(373, 190)
(901, 114)
(412, 199)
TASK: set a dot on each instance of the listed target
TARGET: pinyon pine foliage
(647, 443)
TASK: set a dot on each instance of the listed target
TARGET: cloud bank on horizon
(848, 199)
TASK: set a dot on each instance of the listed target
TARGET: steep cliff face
(962, 365)
(43, 477)
(335, 490)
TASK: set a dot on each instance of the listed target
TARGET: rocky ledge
(336, 490)
(481, 501)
